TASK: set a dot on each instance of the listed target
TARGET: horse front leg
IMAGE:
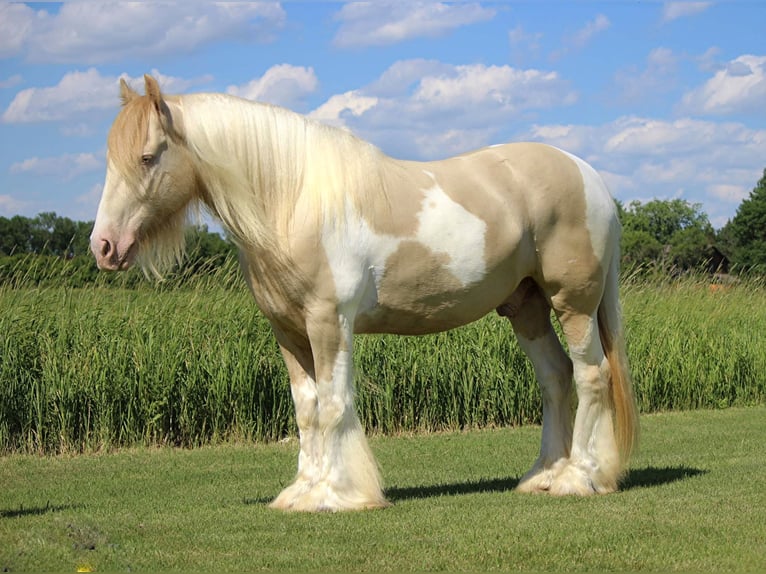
(300, 367)
(337, 470)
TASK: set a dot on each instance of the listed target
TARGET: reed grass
(193, 362)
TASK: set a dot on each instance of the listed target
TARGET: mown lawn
(694, 499)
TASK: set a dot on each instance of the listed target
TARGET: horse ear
(153, 91)
(126, 92)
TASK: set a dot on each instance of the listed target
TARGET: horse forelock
(127, 137)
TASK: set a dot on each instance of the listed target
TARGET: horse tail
(622, 397)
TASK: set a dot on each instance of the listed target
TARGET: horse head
(150, 183)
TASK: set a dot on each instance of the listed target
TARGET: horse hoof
(321, 497)
(574, 480)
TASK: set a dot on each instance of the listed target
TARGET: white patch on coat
(446, 227)
(357, 255)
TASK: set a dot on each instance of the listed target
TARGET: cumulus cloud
(388, 22)
(92, 33)
(342, 107)
(738, 87)
(427, 109)
(675, 10)
(15, 23)
(64, 167)
(79, 93)
(283, 84)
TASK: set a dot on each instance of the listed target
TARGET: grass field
(95, 368)
(693, 500)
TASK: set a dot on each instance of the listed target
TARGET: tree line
(676, 236)
(659, 236)
(50, 249)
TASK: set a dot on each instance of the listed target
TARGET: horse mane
(257, 160)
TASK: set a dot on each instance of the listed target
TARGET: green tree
(674, 233)
(15, 234)
(745, 234)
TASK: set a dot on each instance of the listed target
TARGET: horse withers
(336, 238)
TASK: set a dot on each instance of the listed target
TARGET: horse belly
(421, 317)
(430, 299)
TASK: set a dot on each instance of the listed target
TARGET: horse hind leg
(595, 464)
(606, 422)
(530, 315)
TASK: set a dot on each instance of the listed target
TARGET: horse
(336, 238)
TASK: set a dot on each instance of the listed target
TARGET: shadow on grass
(38, 510)
(655, 476)
(470, 487)
(636, 478)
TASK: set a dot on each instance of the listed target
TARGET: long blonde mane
(257, 160)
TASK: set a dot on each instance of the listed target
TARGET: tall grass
(695, 347)
(194, 362)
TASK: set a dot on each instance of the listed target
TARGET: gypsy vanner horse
(337, 238)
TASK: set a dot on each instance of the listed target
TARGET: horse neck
(256, 161)
(248, 160)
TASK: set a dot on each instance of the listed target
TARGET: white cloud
(388, 22)
(728, 192)
(283, 84)
(674, 10)
(426, 109)
(79, 93)
(15, 23)
(92, 32)
(64, 167)
(340, 106)
(739, 87)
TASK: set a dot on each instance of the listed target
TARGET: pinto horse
(336, 238)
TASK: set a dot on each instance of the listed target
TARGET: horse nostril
(106, 248)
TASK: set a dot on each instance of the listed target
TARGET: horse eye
(147, 159)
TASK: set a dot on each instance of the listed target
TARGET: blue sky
(665, 99)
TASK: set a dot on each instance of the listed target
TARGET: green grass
(693, 501)
(104, 367)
